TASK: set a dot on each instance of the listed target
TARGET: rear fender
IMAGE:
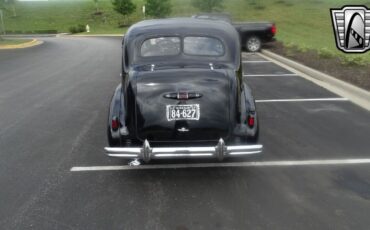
(116, 111)
(249, 103)
(247, 108)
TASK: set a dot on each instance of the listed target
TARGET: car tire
(254, 139)
(253, 44)
(111, 141)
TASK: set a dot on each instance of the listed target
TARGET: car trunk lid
(182, 105)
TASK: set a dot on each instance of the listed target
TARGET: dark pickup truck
(252, 34)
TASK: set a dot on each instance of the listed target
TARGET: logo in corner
(352, 28)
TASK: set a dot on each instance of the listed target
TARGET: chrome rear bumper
(146, 153)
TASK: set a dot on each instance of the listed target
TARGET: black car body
(182, 93)
(252, 34)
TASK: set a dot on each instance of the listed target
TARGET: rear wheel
(253, 139)
(111, 141)
(253, 44)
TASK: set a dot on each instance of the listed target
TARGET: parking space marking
(328, 162)
(270, 75)
(257, 61)
(303, 100)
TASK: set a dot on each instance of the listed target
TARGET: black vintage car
(182, 94)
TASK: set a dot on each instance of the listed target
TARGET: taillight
(273, 29)
(250, 121)
(115, 123)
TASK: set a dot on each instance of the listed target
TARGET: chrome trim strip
(244, 153)
(160, 155)
(183, 149)
(243, 147)
(121, 150)
(123, 155)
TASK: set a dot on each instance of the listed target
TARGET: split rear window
(203, 46)
(192, 45)
(161, 46)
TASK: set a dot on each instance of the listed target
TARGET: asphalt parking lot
(313, 174)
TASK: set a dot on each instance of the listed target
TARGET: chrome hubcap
(253, 44)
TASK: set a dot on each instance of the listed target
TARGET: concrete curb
(28, 35)
(355, 94)
(32, 43)
(95, 35)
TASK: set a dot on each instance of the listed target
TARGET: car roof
(182, 27)
(175, 24)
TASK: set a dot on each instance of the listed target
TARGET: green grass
(305, 24)
(61, 15)
(4, 42)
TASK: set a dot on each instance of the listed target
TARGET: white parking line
(270, 75)
(256, 61)
(303, 100)
(329, 162)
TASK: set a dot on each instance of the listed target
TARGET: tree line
(6, 4)
(161, 8)
(153, 8)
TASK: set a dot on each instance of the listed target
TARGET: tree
(2, 7)
(12, 4)
(124, 7)
(208, 5)
(158, 8)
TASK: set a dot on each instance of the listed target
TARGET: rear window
(203, 46)
(161, 46)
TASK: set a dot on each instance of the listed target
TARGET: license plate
(183, 112)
